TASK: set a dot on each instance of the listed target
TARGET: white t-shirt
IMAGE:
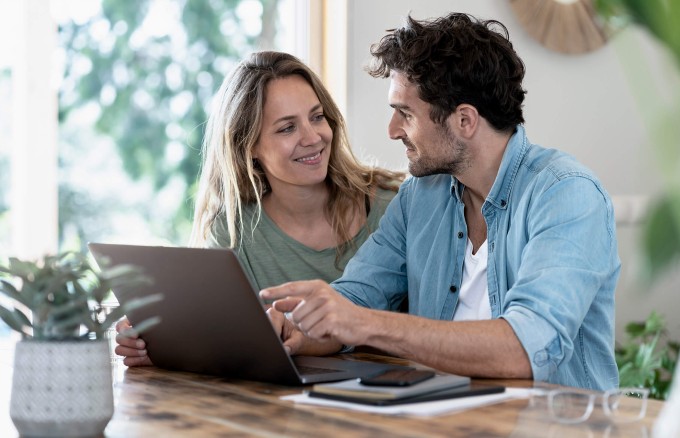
(473, 302)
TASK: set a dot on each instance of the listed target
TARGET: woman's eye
(287, 128)
(318, 117)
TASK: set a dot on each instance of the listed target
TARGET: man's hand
(130, 345)
(318, 311)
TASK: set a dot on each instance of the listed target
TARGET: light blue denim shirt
(552, 268)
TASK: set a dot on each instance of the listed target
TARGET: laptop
(212, 320)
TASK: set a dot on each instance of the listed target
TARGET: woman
(279, 182)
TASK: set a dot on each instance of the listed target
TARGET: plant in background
(641, 361)
(661, 112)
(60, 297)
(647, 359)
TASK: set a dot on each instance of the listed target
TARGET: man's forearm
(473, 348)
(312, 347)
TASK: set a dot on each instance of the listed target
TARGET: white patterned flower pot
(61, 388)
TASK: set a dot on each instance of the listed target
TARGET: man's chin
(418, 171)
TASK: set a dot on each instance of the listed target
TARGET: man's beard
(453, 163)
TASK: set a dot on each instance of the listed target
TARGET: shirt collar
(517, 148)
(499, 196)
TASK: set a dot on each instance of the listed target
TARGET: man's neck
(488, 149)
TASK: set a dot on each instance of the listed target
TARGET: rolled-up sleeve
(565, 264)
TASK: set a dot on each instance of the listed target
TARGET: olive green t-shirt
(270, 257)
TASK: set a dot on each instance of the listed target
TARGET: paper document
(425, 409)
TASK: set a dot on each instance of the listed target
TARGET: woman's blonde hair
(230, 178)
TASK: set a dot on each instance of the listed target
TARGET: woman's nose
(308, 135)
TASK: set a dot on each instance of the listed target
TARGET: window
(6, 27)
(102, 104)
(133, 82)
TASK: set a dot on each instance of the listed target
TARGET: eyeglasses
(621, 405)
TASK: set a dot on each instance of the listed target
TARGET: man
(505, 250)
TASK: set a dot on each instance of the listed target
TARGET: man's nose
(394, 129)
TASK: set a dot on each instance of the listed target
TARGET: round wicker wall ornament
(565, 26)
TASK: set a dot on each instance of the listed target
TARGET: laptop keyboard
(302, 369)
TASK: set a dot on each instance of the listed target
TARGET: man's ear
(467, 120)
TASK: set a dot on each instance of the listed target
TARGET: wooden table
(151, 402)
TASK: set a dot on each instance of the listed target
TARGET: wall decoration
(565, 26)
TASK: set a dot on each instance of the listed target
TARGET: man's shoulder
(554, 163)
(427, 194)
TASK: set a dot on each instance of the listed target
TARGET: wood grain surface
(152, 402)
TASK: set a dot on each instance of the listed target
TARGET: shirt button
(453, 289)
(460, 234)
(503, 203)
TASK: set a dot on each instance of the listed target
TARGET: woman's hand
(130, 345)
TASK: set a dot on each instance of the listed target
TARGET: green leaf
(643, 361)
(133, 304)
(76, 306)
(61, 291)
(93, 327)
(110, 273)
(654, 324)
(674, 347)
(67, 327)
(112, 317)
(16, 320)
(8, 289)
(141, 302)
(661, 241)
(142, 326)
(22, 269)
(635, 329)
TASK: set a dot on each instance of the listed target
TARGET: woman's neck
(300, 204)
(301, 214)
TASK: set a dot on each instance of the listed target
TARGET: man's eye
(403, 114)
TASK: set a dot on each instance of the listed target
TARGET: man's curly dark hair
(453, 60)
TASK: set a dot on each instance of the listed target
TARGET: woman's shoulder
(384, 195)
(379, 202)
(220, 237)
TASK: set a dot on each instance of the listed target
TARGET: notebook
(213, 320)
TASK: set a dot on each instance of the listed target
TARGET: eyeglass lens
(626, 404)
(570, 407)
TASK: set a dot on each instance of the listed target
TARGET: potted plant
(62, 384)
(647, 358)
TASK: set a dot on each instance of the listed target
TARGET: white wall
(581, 104)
